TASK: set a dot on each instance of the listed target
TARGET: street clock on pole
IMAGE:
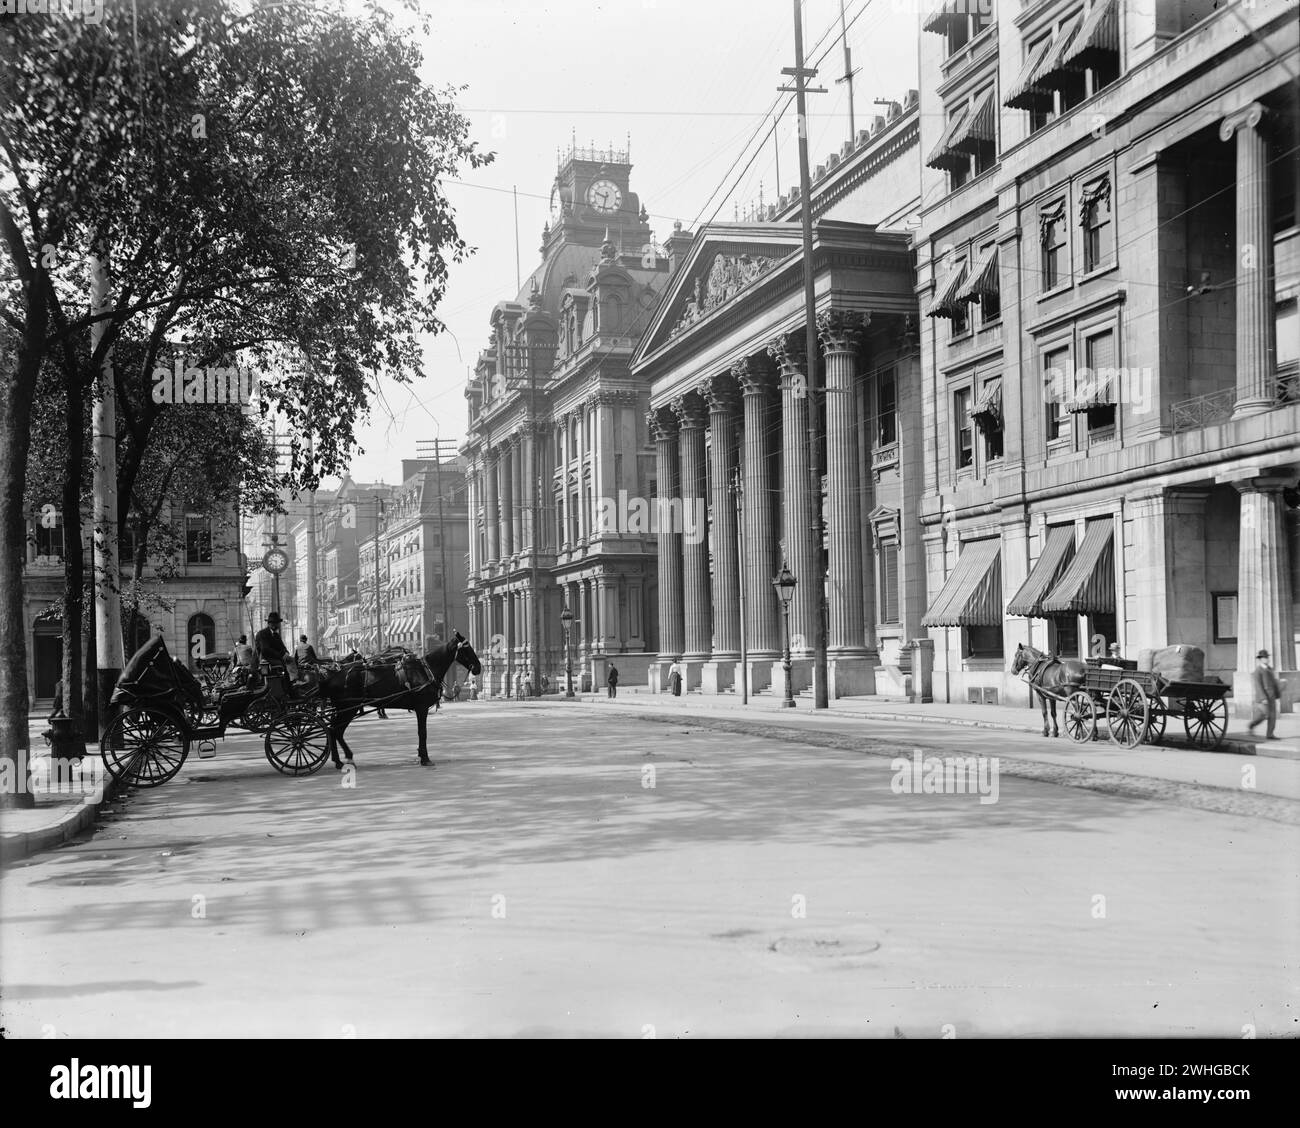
(275, 561)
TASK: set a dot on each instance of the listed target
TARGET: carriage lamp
(785, 583)
(566, 619)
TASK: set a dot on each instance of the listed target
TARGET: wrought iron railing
(1202, 411)
(1288, 385)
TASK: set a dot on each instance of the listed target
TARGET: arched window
(200, 637)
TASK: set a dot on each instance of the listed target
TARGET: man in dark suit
(268, 643)
(1267, 691)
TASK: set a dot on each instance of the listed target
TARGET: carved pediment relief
(727, 276)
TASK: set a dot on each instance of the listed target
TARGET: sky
(691, 85)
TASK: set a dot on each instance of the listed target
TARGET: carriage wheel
(1128, 711)
(261, 714)
(298, 743)
(1156, 725)
(143, 747)
(1206, 720)
(1080, 717)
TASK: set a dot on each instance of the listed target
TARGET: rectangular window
(963, 429)
(198, 540)
(49, 539)
(1052, 230)
(887, 409)
(1101, 374)
(990, 301)
(1225, 616)
(889, 582)
(983, 642)
(1063, 636)
(1098, 231)
(1056, 387)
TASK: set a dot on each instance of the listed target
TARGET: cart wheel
(261, 714)
(1127, 712)
(1080, 717)
(1156, 725)
(1206, 720)
(298, 743)
(143, 747)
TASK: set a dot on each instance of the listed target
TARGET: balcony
(1216, 407)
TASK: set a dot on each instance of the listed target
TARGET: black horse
(1053, 678)
(404, 684)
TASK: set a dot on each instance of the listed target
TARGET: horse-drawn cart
(159, 709)
(1136, 704)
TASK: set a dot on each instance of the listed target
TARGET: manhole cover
(825, 947)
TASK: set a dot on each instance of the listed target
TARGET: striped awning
(1094, 388)
(1045, 574)
(1087, 587)
(1024, 94)
(986, 411)
(1098, 37)
(981, 125)
(946, 155)
(984, 280)
(328, 633)
(946, 302)
(948, 13)
(1053, 72)
(972, 597)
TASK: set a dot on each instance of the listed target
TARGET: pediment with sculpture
(727, 276)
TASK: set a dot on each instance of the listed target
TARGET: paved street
(544, 881)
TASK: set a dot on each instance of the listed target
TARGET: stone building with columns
(730, 409)
(1108, 267)
(557, 449)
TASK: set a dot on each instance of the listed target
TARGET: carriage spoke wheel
(1156, 725)
(143, 747)
(1206, 720)
(1080, 718)
(297, 743)
(1127, 713)
(261, 714)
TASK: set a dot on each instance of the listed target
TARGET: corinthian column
(762, 633)
(1256, 328)
(691, 418)
(491, 526)
(796, 496)
(840, 333)
(720, 395)
(505, 499)
(663, 425)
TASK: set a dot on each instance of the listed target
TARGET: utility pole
(801, 74)
(849, 72)
(379, 626)
(313, 602)
(738, 492)
(534, 469)
(108, 611)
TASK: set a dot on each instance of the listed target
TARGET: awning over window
(1053, 72)
(946, 302)
(981, 125)
(945, 154)
(1095, 388)
(1023, 93)
(984, 280)
(947, 14)
(986, 411)
(328, 633)
(1045, 574)
(1087, 587)
(1098, 37)
(972, 597)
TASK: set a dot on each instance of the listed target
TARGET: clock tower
(591, 195)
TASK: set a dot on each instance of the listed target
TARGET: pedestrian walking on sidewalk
(611, 680)
(1267, 692)
(675, 678)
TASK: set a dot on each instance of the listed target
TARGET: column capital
(662, 422)
(787, 349)
(690, 411)
(840, 330)
(754, 375)
(720, 392)
(1250, 115)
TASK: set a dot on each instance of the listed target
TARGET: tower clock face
(604, 196)
(275, 561)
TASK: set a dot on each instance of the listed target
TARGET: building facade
(557, 448)
(1108, 268)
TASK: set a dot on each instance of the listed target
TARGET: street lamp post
(566, 618)
(785, 585)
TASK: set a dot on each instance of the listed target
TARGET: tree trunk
(72, 546)
(89, 684)
(17, 390)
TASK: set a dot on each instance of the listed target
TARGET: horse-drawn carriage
(159, 708)
(1134, 703)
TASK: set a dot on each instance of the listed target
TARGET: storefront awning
(1087, 587)
(984, 280)
(972, 597)
(946, 302)
(1045, 574)
(1098, 38)
(947, 14)
(986, 412)
(1023, 93)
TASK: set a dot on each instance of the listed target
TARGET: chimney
(677, 244)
